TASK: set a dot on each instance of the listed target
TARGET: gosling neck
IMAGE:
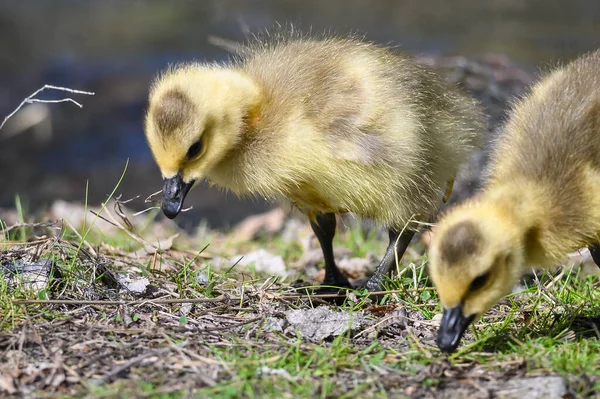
(523, 208)
(237, 170)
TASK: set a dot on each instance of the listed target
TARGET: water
(114, 48)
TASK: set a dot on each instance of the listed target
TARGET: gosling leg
(375, 283)
(324, 229)
(595, 251)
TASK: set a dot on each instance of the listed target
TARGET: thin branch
(149, 198)
(145, 210)
(126, 201)
(121, 227)
(60, 100)
(29, 225)
(133, 362)
(156, 202)
(30, 99)
(119, 211)
(87, 244)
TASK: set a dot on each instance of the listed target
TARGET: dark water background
(114, 47)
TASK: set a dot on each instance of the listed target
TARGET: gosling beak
(174, 192)
(453, 326)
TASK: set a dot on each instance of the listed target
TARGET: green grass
(359, 241)
(542, 329)
(308, 370)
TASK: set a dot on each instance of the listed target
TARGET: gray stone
(320, 323)
(551, 387)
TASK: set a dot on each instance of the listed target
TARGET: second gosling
(542, 200)
(333, 124)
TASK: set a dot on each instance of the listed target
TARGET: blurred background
(114, 47)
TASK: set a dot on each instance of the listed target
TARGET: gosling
(333, 124)
(541, 201)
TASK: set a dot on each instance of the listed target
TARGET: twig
(118, 370)
(26, 243)
(87, 244)
(30, 99)
(208, 360)
(119, 211)
(374, 326)
(130, 233)
(145, 210)
(546, 292)
(198, 374)
(118, 199)
(222, 328)
(30, 225)
(103, 218)
(150, 200)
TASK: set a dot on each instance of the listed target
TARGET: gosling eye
(479, 281)
(194, 150)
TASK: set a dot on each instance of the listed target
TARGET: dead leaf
(271, 222)
(161, 245)
(263, 261)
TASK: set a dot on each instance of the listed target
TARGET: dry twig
(119, 369)
(30, 99)
(156, 202)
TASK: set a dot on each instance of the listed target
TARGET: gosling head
(196, 116)
(474, 260)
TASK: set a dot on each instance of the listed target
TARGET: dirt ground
(116, 316)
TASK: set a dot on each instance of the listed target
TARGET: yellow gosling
(541, 202)
(332, 124)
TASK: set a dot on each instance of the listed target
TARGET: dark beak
(453, 326)
(174, 192)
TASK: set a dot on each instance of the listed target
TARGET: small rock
(462, 393)
(279, 372)
(292, 230)
(186, 308)
(160, 245)
(276, 324)
(270, 222)
(551, 387)
(135, 285)
(202, 277)
(30, 276)
(218, 262)
(356, 266)
(320, 323)
(436, 319)
(313, 256)
(263, 261)
(582, 255)
(75, 214)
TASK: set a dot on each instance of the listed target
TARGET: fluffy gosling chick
(333, 124)
(542, 199)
